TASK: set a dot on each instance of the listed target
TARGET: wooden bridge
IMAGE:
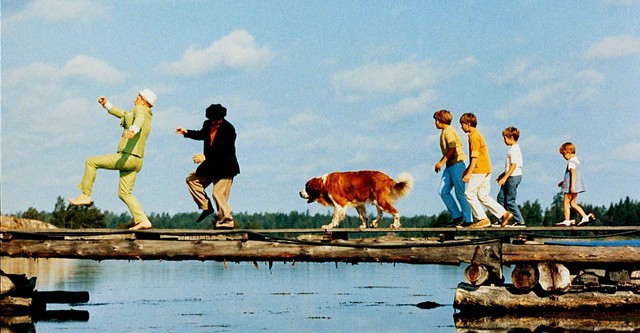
(543, 257)
(407, 245)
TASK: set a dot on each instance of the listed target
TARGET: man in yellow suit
(128, 159)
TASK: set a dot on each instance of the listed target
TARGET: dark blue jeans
(507, 197)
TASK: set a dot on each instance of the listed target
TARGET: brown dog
(356, 189)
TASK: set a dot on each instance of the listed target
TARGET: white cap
(148, 96)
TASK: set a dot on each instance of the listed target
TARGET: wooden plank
(507, 230)
(537, 253)
(244, 250)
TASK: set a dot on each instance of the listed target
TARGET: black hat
(215, 112)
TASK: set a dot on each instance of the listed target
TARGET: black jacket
(220, 157)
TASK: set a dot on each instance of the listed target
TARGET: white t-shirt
(514, 155)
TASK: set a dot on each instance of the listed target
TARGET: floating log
(524, 276)
(505, 299)
(553, 277)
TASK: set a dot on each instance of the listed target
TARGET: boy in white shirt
(512, 175)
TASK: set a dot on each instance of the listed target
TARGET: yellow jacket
(139, 116)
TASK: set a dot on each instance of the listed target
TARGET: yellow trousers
(129, 166)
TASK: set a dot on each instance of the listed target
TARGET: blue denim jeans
(452, 179)
(507, 197)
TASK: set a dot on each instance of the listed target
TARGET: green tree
(532, 213)
(34, 214)
(59, 214)
(74, 217)
(555, 213)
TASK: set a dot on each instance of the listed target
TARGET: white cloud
(410, 106)
(38, 74)
(400, 77)
(547, 87)
(57, 11)
(614, 46)
(627, 152)
(396, 78)
(236, 50)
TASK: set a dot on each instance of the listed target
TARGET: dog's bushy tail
(403, 186)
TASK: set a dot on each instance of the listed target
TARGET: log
(424, 252)
(476, 274)
(505, 299)
(6, 285)
(61, 297)
(524, 277)
(550, 322)
(588, 256)
(554, 277)
(13, 306)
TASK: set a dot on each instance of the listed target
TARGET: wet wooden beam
(244, 250)
(501, 299)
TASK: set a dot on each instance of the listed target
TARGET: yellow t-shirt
(449, 138)
(478, 148)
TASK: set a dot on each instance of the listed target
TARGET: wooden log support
(476, 274)
(524, 277)
(501, 299)
(554, 277)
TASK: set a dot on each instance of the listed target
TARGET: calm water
(192, 296)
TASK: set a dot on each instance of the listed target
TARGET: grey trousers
(221, 190)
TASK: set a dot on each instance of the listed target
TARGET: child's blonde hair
(443, 116)
(469, 119)
(511, 132)
(568, 147)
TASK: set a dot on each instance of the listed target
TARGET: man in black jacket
(218, 165)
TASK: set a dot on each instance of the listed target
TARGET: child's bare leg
(566, 203)
(574, 204)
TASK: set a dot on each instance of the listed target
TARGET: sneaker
(464, 225)
(455, 222)
(496, 225)
(481, 224)
(517, 225)
(506, 218)
(590, 217)
(566, 223)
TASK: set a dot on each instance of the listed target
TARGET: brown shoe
(481, 224)
(506, 218)
(225, 224)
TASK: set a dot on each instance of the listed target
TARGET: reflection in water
(194, 296)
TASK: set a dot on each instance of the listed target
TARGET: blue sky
(314, 87)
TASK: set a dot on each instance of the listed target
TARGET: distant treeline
(623, 213)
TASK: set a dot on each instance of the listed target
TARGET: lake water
(194, 296)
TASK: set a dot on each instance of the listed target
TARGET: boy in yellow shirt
(478, 177)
